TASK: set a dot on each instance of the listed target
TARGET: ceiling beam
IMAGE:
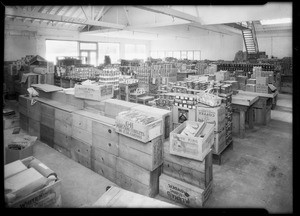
(126, 13)
(171, 12)
(84, 12)
(42, 16)
(99, 14)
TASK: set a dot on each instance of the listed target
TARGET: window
(89, 50)
(190, 55)
(135, 51)
(183, 54)
(110, 49)
(176, 54)
(197, 55)
(160, 54)
(153, 54)
(169, 54)
(55, 48)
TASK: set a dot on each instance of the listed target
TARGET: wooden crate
(34, 128)
(104, 170)
(137, 179)
(146, 155)
(47, 110)
(64, 116)
(62, 150)
(94, 92)
(219, 141)
(198, 173)
(104, 157)
(165, 115)
(47, 135)
(182, 192)
(73, 101)
(113, 107)
(82, 159)
(62, 140)
(82, 135)
(97, 105)
(63, 127)
(81, 147)
(24, 121)
(24, 101)
(190, 114)
(139, 131)
(23, 110)
(120, 198)
(47, 121)
(192, 147)
(59, 96)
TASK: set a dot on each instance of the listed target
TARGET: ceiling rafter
(99, 14)
(127, 16)
(74, 20)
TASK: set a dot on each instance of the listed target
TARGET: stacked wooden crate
(184, 180)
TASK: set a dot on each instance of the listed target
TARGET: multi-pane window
(108, 49)
(135, 51)
(180, 54)
(56, 48)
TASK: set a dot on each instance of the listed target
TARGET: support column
(250, 114)
(242, 124)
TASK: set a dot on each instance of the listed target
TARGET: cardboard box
(13, 155)
(114, 106)
(94, 92)
(139, 131)
(182, 192)
(49, 196)
(181, 114)
(251, 81)
(214, 115)
(262, 80)
(192, 147)
(262, 89)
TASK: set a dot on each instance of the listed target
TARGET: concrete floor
(257, 172)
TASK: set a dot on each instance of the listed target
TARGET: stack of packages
(263, 79)
(140, 151)
(187, 164)
(30, 183)
(127, 86)
(201, 67)
(251, 85)
(226, 95)
(216, 116)
(110, 76)
(222, 75)
(242, 82)
(211, 69)
(143, 75)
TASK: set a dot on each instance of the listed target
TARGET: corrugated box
(251, 81)
(262, 80)
(251, 87)
(192, 147)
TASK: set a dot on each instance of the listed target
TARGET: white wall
(213, 46)
(276, 44)
(23, 39)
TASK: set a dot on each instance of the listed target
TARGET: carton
(94, 92)
(215, 115)
(192, 147)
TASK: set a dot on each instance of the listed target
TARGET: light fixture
(276, 21)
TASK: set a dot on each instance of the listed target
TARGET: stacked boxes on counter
(110, 76)
(187, 164)
(251, 85)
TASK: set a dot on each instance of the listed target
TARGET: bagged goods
(13, 168)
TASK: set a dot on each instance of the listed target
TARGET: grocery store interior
(148, 106)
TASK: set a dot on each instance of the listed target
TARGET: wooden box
(23, 110)
(63, 127)
(24, 101)
(81, 152)
(165, 115)
(138, 131)
(182, 192)
(62, 140)
(113, 107)
(251, 81)
(63, 116)
(104, 157)
(219, 141)
(34, 128)
(116, 197)
(104, 170)
(59, 96)
(47, 120)
(62, 150)
(198, 173)
(251, 87)
(47, 110)
(262, 80)
(137, 179)
(215, 115)
(46, 197)
(192, 147)
(24, 121)
(34, 111)
(82, 135)
(73, 101)
(97, 105)
(47, 135)
(94, 92)
(146, 155)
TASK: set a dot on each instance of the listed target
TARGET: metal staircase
(249, 36)
(250, 41)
